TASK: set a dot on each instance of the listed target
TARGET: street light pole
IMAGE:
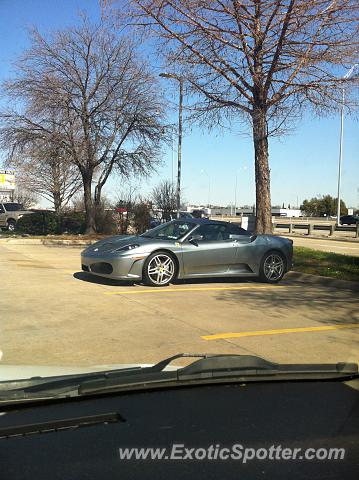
(209, 188)
(340, 156)
(179, 154)
(173, 153)
(346, 76)
(179, 149)
(238, 172)
(235, 195)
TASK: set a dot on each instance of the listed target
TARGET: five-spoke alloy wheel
(272, 267)
(159, 269)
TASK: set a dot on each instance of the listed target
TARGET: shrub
(38, 223)
(105, 221)
(72, 222)
(48, 223)
(141, 217)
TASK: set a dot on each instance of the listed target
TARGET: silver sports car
(189, 248)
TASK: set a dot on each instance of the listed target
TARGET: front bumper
(114, 266)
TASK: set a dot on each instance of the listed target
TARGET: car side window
(236, 231)
(2, 209)
(213, 232)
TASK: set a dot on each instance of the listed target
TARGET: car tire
(160, 269)
(273, 267)
(11, 224)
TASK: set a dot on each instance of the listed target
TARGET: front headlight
(126, 248)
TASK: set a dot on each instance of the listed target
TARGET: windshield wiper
(220, 368)
(208, 369)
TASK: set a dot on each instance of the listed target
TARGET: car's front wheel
(11, 224)
(272, 267)
(159, 269)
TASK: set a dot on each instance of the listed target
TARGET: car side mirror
(195, 238)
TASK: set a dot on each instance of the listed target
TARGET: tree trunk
(89, 207)
(57, 202)
(97, 199)
(262, 172)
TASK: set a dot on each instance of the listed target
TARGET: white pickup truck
(10, 212)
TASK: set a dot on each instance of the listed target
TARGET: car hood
(19, 212)
(118, 241)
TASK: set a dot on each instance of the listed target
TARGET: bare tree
(125, 204)
(41, 162)
(85, 90)
(164, 197)
(261, 60)
(47, 173)
(25, 196)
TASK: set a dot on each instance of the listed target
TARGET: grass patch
(334, 265)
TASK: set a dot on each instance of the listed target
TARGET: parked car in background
(186, 215)
(199, 214)
(10, 213)
(349, 220)
(182, 215)
(154, 222)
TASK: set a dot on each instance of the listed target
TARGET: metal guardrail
(310, 227)
(299, 224)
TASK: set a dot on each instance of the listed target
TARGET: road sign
(7, 180)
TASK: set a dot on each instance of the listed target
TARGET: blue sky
(303, 164)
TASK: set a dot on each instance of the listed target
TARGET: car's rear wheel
(272, 267)
(11, 225)
(159, 269)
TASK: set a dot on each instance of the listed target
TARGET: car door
(244, 249)
(213, 254)
(2, 216)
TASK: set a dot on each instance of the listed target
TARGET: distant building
(7, 185)
(231, 211)
(286, 212)
(246, 211)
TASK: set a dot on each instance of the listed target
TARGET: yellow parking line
(278, 331)
(189, 289)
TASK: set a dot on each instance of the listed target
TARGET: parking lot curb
(45, 241)
(70, 243)
(21, 241)
(308, 278)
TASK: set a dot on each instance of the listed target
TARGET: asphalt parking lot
(51, 313)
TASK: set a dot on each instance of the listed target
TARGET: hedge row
(47, 223)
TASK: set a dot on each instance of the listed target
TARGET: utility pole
(179, 149)
(340, 162)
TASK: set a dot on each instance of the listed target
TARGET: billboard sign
(7, 180)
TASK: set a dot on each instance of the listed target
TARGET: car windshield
(13, 207)
(174, 230)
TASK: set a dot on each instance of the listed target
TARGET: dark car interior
(80, 439)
